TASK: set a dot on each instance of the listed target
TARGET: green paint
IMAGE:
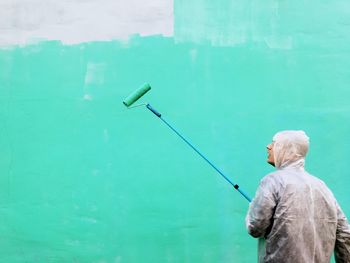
(83, 179)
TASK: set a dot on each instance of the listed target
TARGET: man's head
(287, 147)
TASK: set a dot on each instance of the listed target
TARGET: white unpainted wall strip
(76, 21)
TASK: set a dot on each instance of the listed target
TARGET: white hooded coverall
(294, 214)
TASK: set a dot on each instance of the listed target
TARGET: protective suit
(294, 214)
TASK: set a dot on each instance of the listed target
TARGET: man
(294, 214)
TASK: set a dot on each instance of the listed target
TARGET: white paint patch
(87, 97)
(76, 21)
(95, 73)
(279, 42)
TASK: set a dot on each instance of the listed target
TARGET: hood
(290, 148)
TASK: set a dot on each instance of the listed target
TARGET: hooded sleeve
(342, 242)
(259, 218)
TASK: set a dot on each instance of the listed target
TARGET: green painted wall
(85, 180)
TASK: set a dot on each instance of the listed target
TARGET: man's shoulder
(319, 182)
(273, 176)
(271, 179)
(315, 178)
(283, 178)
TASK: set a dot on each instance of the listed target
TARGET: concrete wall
(83, 179)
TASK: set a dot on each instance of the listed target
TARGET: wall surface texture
(83, 179)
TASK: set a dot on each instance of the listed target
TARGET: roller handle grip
(153, 110)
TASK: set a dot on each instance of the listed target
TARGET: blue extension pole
(236, 186)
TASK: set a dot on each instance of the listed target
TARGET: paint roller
(137, 94)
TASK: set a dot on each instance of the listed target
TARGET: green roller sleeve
(136, 94)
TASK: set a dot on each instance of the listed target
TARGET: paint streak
(95, 73)
(72, 22)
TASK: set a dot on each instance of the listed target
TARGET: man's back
(305, 219)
